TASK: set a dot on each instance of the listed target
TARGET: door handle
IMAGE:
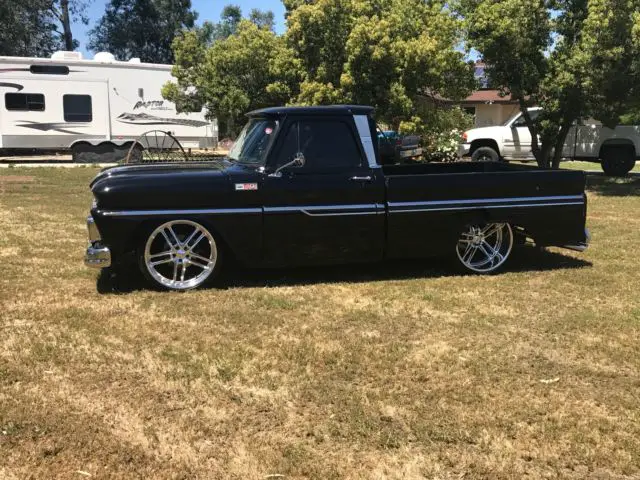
(361, 179)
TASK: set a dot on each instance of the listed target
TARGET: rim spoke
(162, 262)
(206, 266)
(161, 254)
(190, 237)
(173, 234)
(166, 238)
(469, 253)
(175, 271)
(190, 248)
(184, 269)
(491, 229)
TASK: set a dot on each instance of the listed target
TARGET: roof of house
(488, 96)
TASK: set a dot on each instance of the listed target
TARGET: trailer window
(49, 69)
(24, 102)
(77, 108)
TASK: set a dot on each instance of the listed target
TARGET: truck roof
(319, 110)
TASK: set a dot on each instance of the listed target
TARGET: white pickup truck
(615, 149)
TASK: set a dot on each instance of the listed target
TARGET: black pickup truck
(303, 186)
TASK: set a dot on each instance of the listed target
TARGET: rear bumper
(97, 254)
(580, 246)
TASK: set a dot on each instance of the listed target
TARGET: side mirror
(298, 161)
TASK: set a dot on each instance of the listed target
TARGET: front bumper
(464, 150)
(97, 255)
(581, 246)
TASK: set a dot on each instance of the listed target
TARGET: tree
(250, 69)
(142, 28)
(575, 58)
(28, 29)
(65, 11)
(263, 19)
(387, 53)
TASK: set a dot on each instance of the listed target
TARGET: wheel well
(617, 143)
(476, 144)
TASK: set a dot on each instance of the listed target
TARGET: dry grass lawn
(399, 371)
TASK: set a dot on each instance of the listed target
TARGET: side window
(24, 102)
(325, 144)
(77, 108)
(521, 122)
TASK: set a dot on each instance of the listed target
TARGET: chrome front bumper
(97, 255)
(581, 246)
(464, 150)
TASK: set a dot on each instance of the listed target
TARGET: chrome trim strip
(365, 206)
(486, 200)
(480, 207)
(327, 210)
(362, 124)
(204, 211)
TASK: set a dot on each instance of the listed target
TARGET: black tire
(154, 245)
(618, 161)
(485, 154)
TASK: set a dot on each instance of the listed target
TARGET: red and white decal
(246, 186)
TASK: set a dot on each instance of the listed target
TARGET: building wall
(488, 115)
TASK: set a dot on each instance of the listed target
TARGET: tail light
(399, 142)
(464, 137)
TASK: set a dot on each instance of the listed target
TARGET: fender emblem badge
(246, 186)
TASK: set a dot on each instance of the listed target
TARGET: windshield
(253, 142)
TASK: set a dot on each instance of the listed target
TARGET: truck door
(331, 209)
(517, 144)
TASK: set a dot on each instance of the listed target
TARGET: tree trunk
(559, 147)
(66, 25)
(538, 153)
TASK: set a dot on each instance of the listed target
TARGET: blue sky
(207, 10)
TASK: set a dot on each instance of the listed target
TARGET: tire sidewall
(483, 152)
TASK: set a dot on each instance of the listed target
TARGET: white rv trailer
(96, 108)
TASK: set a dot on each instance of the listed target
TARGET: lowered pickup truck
(303, 186)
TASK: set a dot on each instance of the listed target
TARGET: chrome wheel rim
(484, 248)
(180, 254)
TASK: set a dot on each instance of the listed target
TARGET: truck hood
(484, 132)
(170, 186)
(158, 169)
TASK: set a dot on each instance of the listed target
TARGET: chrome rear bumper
(581, 246)
(97, 255)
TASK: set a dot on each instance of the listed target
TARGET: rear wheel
(485, 154)
(179, 255)
(485, 248)
(618, 161)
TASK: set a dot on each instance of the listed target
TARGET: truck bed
(440, 199)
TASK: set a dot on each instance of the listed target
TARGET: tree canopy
(575, 58)
(249, 69)
(392, 54)
(37, 28)
(142, 28)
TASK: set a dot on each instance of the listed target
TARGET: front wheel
(485, 154)
(485, 248)
(179, 255)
